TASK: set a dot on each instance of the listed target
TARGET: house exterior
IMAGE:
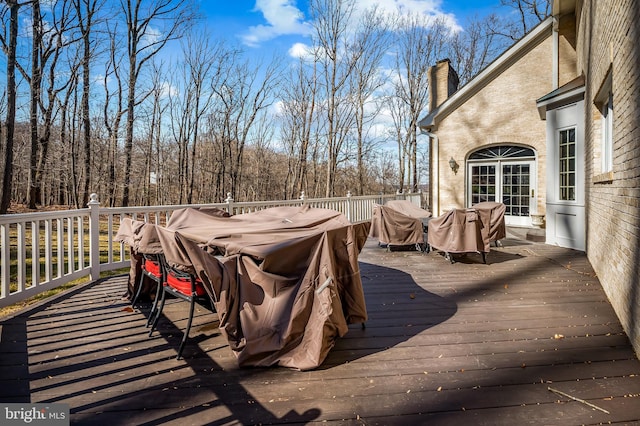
(551, 128)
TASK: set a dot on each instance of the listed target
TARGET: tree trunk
(11, 107)
(86, 121)
(36, 81)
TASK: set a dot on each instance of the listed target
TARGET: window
(502, 152)
(483, 183)
(567, 159)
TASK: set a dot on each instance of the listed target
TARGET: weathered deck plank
(445, 344)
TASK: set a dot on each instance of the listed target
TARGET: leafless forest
(134, 100)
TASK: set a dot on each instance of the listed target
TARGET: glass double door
(511, 183)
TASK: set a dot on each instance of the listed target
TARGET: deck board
(445, 344)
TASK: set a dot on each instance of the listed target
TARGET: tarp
(285, 281)
(399, 222)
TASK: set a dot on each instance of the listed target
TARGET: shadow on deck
(444, 344)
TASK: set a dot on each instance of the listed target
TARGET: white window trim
(604, 102)
(607, 134)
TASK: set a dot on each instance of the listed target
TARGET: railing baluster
(70, 246)
(35, 253)
(6, 262)
(22, 256)
(60, 232)
(48, 250)
(81, 252)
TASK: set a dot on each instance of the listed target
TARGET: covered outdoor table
(399, 223)
(285, 281)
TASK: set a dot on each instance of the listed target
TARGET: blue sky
(278, 24)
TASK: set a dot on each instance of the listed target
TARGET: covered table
(399, 223)
(285, 281)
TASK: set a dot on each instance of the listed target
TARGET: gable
(513, 58)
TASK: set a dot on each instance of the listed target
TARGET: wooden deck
(445, 344)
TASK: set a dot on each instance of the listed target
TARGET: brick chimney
(443, 82)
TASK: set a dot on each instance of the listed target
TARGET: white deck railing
(41, 251)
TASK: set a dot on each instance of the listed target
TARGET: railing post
(229, 202)
(94, 236)
(349, 206)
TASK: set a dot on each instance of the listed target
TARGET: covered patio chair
(492, 216)
(400, 223)
(458, 231)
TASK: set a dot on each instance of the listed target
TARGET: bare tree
(474, 48)
(112, 119)
(529, 13)
(370, 45)
(298, 116)
(332, 20)
(67, 128)
(152, 152)
(86, 11)
(144, 41)
(48, 44)
(419, 42)
(243, 93)
(194, 100)
(9, 46)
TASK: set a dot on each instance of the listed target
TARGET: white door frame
(565, 219)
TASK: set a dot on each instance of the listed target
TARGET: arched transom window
(502, 152)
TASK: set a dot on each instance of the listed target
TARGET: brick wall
(502, 112)
(608, 40)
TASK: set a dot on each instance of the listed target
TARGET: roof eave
(504, 61)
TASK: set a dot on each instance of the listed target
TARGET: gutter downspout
(434, 153)
(555, 71)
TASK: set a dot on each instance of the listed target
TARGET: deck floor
(445, 344)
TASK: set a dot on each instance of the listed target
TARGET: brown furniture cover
(285, 281)
(131, 232)
(399, 222)
(458, 231)
(492, 218)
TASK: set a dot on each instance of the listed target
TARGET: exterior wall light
(454, 166)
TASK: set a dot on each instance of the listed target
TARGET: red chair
(184, 286)
(152, 268)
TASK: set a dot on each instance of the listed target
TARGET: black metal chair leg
(138, 292)
(155, 304)
(157, 317)
(186, 332)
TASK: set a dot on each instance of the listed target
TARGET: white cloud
(99, 79)
(431, 9)
(167, 89)
(283, 18)
(300, 50)
(151, 36)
